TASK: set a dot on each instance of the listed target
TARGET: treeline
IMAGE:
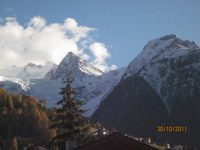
(23, 118)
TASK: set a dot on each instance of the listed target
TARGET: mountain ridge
(92, 84)
(75, 63)
(33, 71)
(153, 63)
(166, 74)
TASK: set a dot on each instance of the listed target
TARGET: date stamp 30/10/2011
(171, 128)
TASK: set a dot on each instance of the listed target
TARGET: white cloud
(40, 42)
(76, 32)
(113, 67)
(100, 53)
(37, 22)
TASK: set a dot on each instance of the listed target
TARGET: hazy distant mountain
(33, 71)
(159, 87)
(12, 71)
(92, 84)
(14, 85)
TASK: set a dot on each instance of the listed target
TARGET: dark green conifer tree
(69, 121)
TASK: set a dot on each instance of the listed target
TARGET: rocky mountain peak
(170, 42)
(164, 63)
(71, 54)
(160, 86)
(166, 47)
(32, 65)
(70, 57)
(179, 43)
(76, 66)
(167, 37)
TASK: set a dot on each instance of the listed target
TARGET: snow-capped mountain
(160, 87)
(30, 71)
(165, 47)
(33, 71)
(73, 66)
(95, 90)
(160, 60)
(39, 88)
(92, 84)
(14, 85)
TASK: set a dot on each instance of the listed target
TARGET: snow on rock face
(46, 89)
(96, 90)
(15, 85)
(39, 88)
(33, 71)
(72, 62)
(164, 47)
(91, 84)
(158, 61)
(92, 90)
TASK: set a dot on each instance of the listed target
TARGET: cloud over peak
(40, 42)
(100, 53)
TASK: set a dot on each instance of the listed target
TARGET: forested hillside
(24, 119)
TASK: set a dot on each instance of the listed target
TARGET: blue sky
(122, 26)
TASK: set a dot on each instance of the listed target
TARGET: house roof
(115, 141)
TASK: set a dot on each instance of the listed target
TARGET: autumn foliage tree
(13, 144)
(22, 116)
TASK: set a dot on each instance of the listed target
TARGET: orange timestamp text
(171, 128)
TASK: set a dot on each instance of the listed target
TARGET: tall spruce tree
(69, 121)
